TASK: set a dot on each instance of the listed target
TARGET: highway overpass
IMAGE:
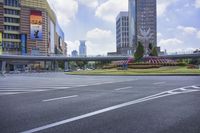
(61, 58)
(94, 58)
(17, 58)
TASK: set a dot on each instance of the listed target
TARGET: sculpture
(145, 39)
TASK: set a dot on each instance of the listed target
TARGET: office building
(30, 27)
(82, 48)
(142, 17)
(74, 53)
(122, 34)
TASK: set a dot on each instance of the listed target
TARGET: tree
(81, 64)
(139, 51)
(154, 52)
(150, 46)
(150, 49)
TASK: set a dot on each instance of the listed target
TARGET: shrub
(191, 66)
(181, 64)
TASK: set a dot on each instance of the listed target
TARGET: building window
(12, 12)
(11, 28)
(14, 3)
(11, 20)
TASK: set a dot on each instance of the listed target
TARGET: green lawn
(160, 71)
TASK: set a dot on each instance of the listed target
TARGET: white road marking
(13, 90)
(39, 87)
(124, 88)
(60, 98)
(98, 84)
(148, 98)
(82, 85)
(109, 82)
(159, 83)
(25, 91)
(8, 93)
(195, 87)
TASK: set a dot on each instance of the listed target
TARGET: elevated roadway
(94, 58)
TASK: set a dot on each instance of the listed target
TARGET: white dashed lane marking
(59, 98)
(124, 88)
(159, 83)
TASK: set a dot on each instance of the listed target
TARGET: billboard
(36, 25)
(1, 49)
(23, 44)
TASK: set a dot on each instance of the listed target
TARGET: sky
(178, 24)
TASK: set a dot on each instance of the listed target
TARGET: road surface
(59, 103)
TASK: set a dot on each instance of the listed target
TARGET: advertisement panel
(36, 25)
(24, 44)
(1, 49)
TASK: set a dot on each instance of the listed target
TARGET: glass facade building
(122, 34)
(82, 49)
(142, 16)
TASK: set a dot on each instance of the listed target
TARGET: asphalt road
(58, 103)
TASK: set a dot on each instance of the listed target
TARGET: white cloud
(72, 45)
(109, 9)
(65, 10)
(89, 3)
(198, 35)
(159, 34)
(185, 50)
(163, 5)
(99, 35)
(187, 30)
(100, 41)
(100, 48)
(93, 48)
(197, 3)
(170, 42)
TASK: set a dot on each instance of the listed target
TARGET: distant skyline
(94, 21)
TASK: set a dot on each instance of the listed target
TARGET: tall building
(82, 48)
(122, 34)
(30, 27)
(142, 18)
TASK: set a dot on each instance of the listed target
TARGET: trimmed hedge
(144, 66)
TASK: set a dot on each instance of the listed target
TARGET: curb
(135, 74)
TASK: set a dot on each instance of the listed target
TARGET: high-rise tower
(142, 18)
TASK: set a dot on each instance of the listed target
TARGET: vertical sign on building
(1, 49)
(23, 44)
(36, 25)
(52, 37)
